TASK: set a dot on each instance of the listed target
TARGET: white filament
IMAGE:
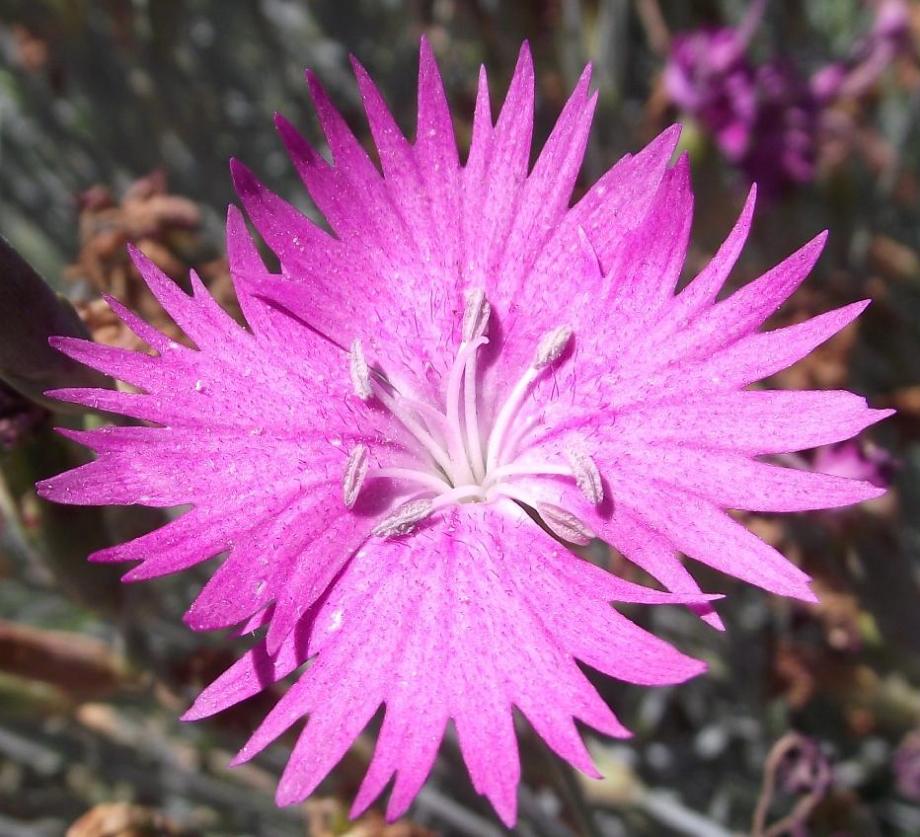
(549, 350)
(465, 465)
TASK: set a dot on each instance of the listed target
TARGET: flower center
(455, 461)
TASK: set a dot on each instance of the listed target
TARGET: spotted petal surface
(462, 622)
(461, 345)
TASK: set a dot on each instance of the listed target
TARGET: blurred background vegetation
(116, 121)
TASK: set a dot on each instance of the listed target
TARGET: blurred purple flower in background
(767, 118)
(783, 147)
(465, 346)
(855, 460)
(708, 76)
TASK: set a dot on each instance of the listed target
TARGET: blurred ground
(116, 122)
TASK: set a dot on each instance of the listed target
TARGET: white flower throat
(457, 462)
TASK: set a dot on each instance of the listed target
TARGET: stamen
(564, 524)
(460, 472)
(434, 419)
(439, 455)
(455, 441)
(471, 419)
(559, 521)
(551, 346)
(549, 350)
(587, 477)
(355, 472)
(403, 519)
(475, 321)
(517, 469)
(360, 374)
(519, 432)
(476, 315)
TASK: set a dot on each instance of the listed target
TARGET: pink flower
(856, 461)
(463, 346)
(763, 117)
(770, 118)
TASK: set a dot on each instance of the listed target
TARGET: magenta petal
(753, 422)
(131, 367)
(420, 626)
(748, 308)
(717, 328)
(701, 530)
(255, 671)
(299, 243)
(761, 355)
(646, 548)
(347, 153)
(97, 483)
(146, 332)
(624, 194)
(544, 197)
(482, 127)
(435, 136)
(495, 173)
(394, 149)
(749, 359)
(736, 482)
(648, 264)
(309, 580)
(327, 186)
(180, 544)
(705, 287)
(656, 555)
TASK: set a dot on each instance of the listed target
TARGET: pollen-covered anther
(360, 373)
(355, 472)
(587, 477)
(475, 315)
(564, 524)
(551, 346)
(403, 519)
